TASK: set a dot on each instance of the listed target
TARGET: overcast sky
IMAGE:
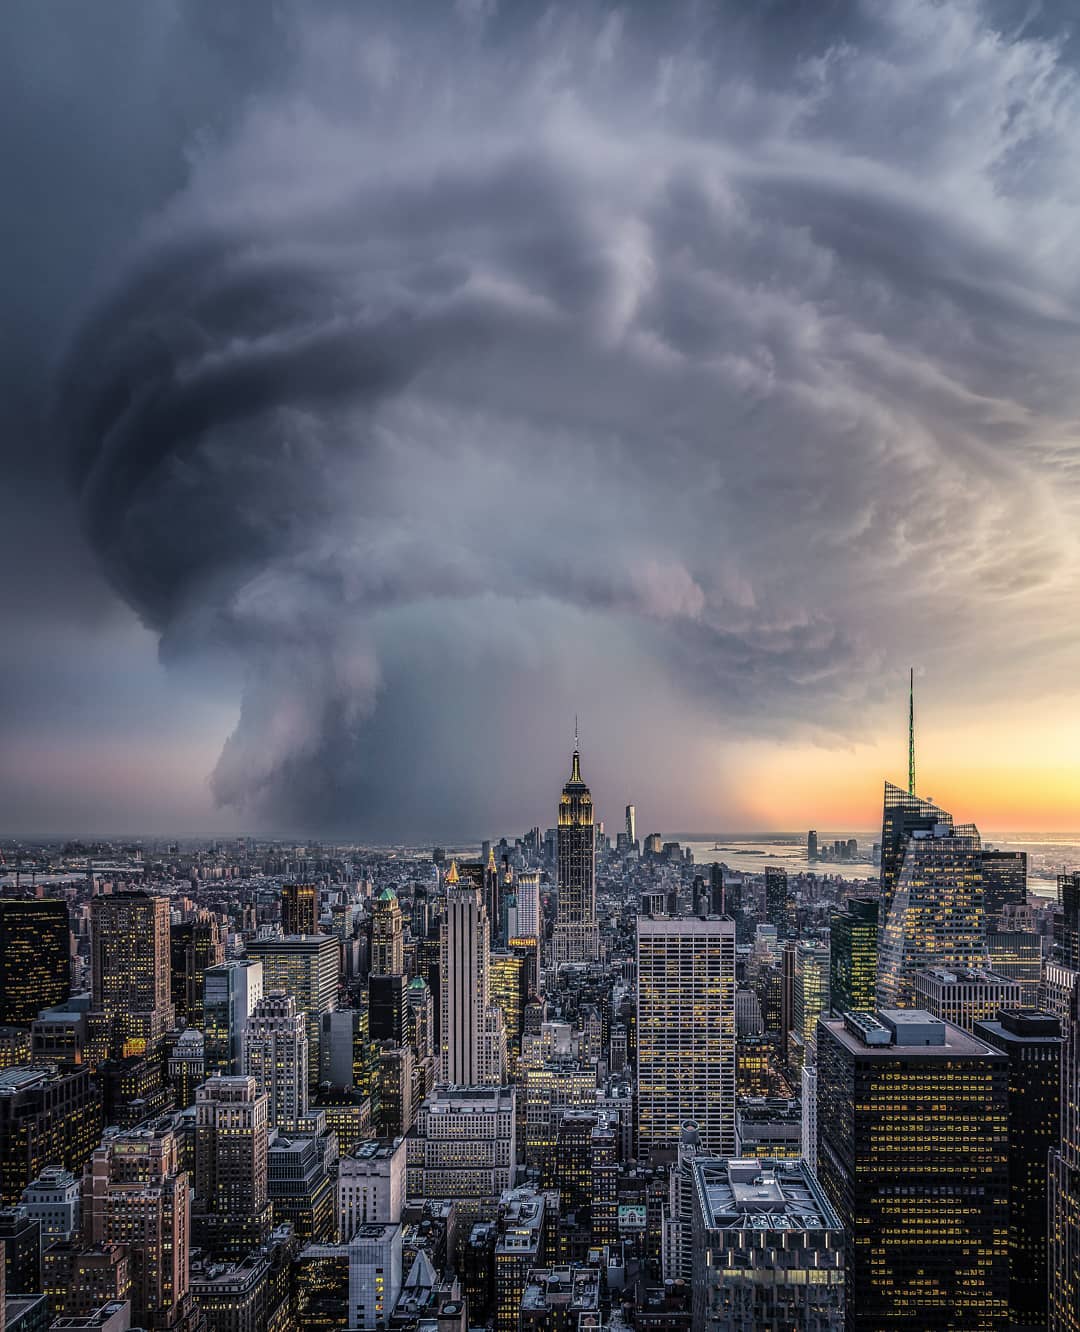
(382, 384)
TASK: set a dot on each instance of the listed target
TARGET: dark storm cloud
(688, 364)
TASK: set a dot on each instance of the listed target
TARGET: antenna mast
(911, 734)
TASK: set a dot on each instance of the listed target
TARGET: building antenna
(575, 733)
(911, 734)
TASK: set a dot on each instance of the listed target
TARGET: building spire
(911, 734)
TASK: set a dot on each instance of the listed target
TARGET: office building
(547, 1092)
(808, 1110)
(768, 1248)
(912, 1153)
(20, 1235)
(1067, 922)
(299, 909)
(965, 997)
(53, 1200)
(463, 1144)
(811, 994)
(575, 938)
(308, 968)
(370, 1186)
(1032, 1042)
(187, 1066)
(230, 992)
(388, 1008)
(48, 1116)
(397, 1087)
(1004, 876)
(195, 945)
(275, 1054)
(631, 825)
(421, 1018)
(35, 957)
(523, 1222)
(299, 1186)
(1018, 956)
(375, 1274)
(473, 1039)
(853, 935)
(387, 936)
(561, 1299)
(131, 974)
(527, 891)
(903, 814)
(777, 905)
(135, 1194)
(1063, 1257)
(232, 1125)
(935, 916)
(686, 1031)
(768, 1126)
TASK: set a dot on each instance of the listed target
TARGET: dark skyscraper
(35, 957)
(1064, 1210)
(776, 900)
(1032, 1042)
(1067, 921)
(300, 908)
(853, 955)
(575, 923)
(912, 1152)
(1004, 882)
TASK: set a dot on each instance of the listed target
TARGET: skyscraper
(853, 935)
(35, 957)
(387, 936)
(1004, 883)
(299, 908)
(232, 1127)
(903, 813)
(230, 992)
(811, 995)
(131, 976)
(776, 900)
(1067, 922)
(195, 945)
(935, 912)
(309, 968)
(1064, 1209)
(686, 1031)
(472, 1036)
(575, 938)
(276, 1056)
(135, 1193)
(912, 1153)
(1032, 1042)
(631, 824)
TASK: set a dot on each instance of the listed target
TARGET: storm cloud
(489, 363)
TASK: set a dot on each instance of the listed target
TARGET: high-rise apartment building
(576, 938)
(1032, 1042)
(912, 1153)
(131, 975)
(232, 1128)
(136, 1195)
(472, 1035)
(387, 936)
(35, 957)
(935, 916)
(275, 1054)
(853, 935)
(309, 968)
(230, 992)
(686, 1031)
(768, 1248)
(299, 909)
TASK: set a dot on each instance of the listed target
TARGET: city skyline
(291, 522)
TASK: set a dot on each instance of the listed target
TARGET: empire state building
(575, 937)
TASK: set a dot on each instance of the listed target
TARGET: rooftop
(761, 1195)
(897, 1034)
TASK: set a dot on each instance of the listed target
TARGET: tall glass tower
(575, 922)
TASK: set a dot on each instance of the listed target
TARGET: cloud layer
(694, 371)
